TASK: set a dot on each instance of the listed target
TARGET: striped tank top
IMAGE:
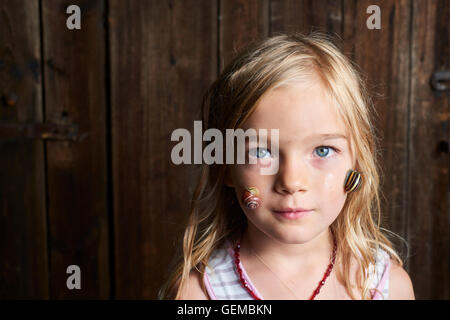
(221, 278)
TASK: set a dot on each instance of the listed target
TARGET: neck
(289, 257)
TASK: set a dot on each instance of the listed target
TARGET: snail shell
(250, 199)
(353, 181)
(252, 202)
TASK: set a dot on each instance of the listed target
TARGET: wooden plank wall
(428, 152)
(24, 270)
(74, 90)
(114, 202)
(162, 59)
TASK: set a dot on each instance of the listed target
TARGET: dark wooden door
(86, 117)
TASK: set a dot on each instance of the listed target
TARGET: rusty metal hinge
(440, 80)
(45, 131)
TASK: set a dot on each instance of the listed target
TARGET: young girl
(312, 229)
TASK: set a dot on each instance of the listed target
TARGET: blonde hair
(231, 99)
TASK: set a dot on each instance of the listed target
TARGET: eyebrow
(322, 136)
(329, 136)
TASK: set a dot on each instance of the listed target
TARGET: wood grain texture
(305, 16)
(77, 171)
(241, 21)
(115, 204)
(429, 184)
(163, 58)
(384, 60)
(23, 232)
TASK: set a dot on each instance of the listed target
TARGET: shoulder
(400, 285)
(198, 288)
(193, 289)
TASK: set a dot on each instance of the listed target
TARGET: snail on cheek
(251, 198)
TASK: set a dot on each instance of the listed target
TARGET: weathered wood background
(111, 201)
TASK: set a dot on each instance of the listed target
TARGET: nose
(292, 176)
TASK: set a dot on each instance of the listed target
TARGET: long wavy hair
(215, 215)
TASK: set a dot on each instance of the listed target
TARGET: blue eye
(323, 151)
(260, 152)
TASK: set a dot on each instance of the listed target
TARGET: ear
(228, 181)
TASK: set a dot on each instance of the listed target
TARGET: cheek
(243, 178)
(333, 186)
(246, 176)
(333, 194)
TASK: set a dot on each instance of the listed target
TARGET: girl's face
(314, 156)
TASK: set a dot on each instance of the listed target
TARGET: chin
(294, 236)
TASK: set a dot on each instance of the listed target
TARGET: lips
(291, 210)
(292, 213)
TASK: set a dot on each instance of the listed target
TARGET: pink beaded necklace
(253, 294)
